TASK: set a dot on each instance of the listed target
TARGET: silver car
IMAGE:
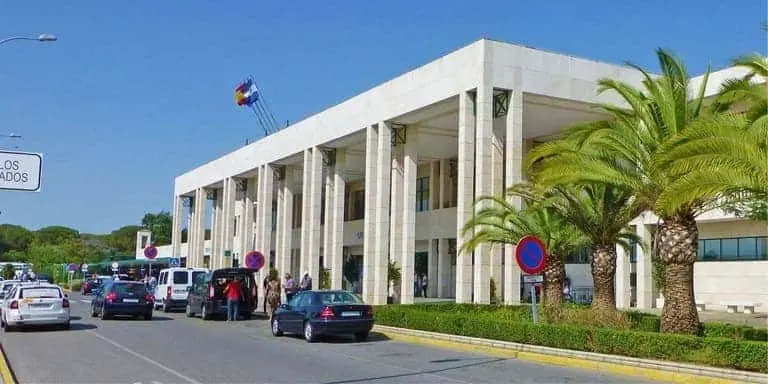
(35, 304)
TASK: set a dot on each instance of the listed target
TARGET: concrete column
(483, 185)
(328, 206)
(337, 224)
(258, 231)
(369, 220)
(191, 232)
(497, 189)
(287, 227)
(432, 271)
(316, 194)
(216, 216)
(280, 218)
(396, 230)
(513, 167)
(269, 194)
(229, 222)
(247, 218)
(443, 195)
(465, 198)
(645, 299)
(443, 269)
(199, 226)
(623, 289)
(381, 257)
(408, 231)
(178, 212)
(306, 229)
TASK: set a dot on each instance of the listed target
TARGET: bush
(509, 324)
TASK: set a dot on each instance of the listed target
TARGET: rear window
(180, 277)
(130, 289)
(330, 298)
(40, 292)
(197, 275)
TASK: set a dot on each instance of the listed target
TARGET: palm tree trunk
(603, 272)
(554, 276)
(679, 237)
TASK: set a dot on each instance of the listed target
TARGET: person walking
(232, 292)
(273, 291)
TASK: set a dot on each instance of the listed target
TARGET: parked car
(206, 295)
(90, 285)
(44, 277)
(323, 312)
(35, 303)
(122, 298)
(172, 283)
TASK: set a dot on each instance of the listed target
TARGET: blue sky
(137, 92)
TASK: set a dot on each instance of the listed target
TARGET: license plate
(39, 305)
(350, 314)
(131, 300)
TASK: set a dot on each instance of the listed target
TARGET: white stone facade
(392, 174)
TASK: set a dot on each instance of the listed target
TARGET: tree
(55, 235)
(123, 239)
(602, 213)
(161, 225)
(15, 238)
(629, 152)
(500, 222)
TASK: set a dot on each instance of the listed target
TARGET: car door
(293, 318)
(196, 293)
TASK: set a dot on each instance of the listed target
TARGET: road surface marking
(142, 357)
(85, 301)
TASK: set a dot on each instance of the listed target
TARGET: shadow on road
(139, 319)
(417, 373)
(373, 337)
(51, 328)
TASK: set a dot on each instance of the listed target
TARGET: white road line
(85, 301)
(142, 357)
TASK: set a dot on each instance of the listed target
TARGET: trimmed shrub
(507, 324)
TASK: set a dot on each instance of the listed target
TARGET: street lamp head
(47, 37)
(14, 136)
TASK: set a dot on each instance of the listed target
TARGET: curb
(5, 368)
(618, 365)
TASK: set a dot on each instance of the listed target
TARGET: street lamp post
(45, 37)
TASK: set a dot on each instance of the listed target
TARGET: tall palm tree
(602, 213)
(500, 222)
(623, 152)
(749, 92)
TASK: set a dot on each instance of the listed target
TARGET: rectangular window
(729, 249)
(180, 277)
(732, 249)
(748, 248)
(762, 248)
(422, 194)
(633, 251)
(359, 205)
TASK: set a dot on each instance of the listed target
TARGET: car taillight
(148, 298)
(369, 312)
(168, 292)
(211, 292)
(14, 304)
(327, 313)
(111, 296)
(65, 303)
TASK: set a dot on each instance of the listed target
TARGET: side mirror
(189, 289)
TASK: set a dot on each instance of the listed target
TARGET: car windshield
(40, 292)
(136, 289)
(330, 298)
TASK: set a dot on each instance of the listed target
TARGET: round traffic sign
(150, 252)
(531, 255)
(254, 259)
(115, 265)
(84, 267)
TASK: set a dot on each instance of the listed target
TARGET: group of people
(272, 288)
(420, 285)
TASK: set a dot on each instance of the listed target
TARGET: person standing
(306, 282)
(290, 287)
(232, 292)
(424, 285)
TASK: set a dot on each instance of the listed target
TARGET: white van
(172, 283)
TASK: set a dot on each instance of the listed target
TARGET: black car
(324, 312)
(122, 298)
(206, 295)
(90, 285)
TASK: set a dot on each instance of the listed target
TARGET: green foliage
(56, 234)
(161, 225)
(511, 324)
(8, 273)
(14, 238)
(123, 239)
(325, 278)
(393, 272)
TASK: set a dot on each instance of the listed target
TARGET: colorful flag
(246, 93)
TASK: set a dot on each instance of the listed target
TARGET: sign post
(531, 256)
(20, 171)
(115, 267)
(150, 252)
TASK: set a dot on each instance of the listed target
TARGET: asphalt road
(174, 349)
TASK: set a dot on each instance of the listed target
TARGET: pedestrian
(265, 284)
(290, 287)
(416, 284)
(232, 292)
(424, 285)
(273, 291)
(306, 282)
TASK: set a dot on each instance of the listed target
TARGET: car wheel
(204, 313)
(189, 311)
(104, 314)
(309, 332)
(276, 328)
(361, 336)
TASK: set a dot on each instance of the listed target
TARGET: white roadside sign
(20, 171)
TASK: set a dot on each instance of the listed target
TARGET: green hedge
(498, 324)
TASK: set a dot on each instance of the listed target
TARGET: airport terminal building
(392, 173)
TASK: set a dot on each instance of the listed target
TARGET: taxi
(37, 303)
